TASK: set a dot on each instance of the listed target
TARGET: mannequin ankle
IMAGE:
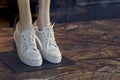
(24, 27)
(41, 26)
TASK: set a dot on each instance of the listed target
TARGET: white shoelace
(48, 35)
(29, 41)
(50, 38)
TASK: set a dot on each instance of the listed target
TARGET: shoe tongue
(28, 31)
(47, 28)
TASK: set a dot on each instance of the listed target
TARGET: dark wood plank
(93, 45)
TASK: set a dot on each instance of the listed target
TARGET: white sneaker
(50, 51)
(27, 47)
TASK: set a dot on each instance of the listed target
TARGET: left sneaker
(26, 44)
(49, 51)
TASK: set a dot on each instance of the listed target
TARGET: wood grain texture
(93, 45)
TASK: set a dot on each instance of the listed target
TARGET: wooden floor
(93, 45)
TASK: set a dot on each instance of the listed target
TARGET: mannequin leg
(25, 22)
(50, 51)
(43, 19)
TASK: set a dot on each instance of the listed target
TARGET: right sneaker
(49, 50)
(27, 47)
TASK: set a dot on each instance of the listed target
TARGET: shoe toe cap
(33, 55)
(53, 56)
(32, 59)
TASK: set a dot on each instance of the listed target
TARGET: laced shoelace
(50, 38)
(29, 41)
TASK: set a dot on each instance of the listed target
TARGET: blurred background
(63, 11)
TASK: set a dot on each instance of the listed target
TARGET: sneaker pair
(33, 45)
